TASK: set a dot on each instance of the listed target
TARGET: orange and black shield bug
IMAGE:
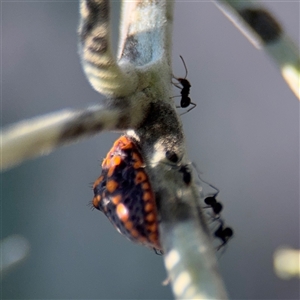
(124, 194)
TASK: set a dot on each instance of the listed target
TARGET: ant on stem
(211, 201)
(185, 90)
(184, 169)
(223, 233)
(187, 176)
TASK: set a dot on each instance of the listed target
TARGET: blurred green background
(243, 135)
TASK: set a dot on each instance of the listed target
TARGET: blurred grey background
(243, 135)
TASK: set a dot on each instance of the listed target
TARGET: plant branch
(43, 134)
(99, 65)
(189, 255)
(263, 30)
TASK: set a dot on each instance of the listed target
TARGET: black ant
(187, 176)
(185, 170)
(223, 233)
(185, 90)
(214, 204)
(211, 201)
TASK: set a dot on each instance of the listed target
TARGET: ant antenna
(186, 70)
(212, 186)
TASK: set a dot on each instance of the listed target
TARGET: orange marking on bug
(147, 196)
(116, 160)
(145, 186)
(122, 212)
(134, 233)
(125, 143)
(111, 171)
(111, 186)
(127, 146)
(116, 199)
(122, 139)
(152, 227)
(148, 207)
(106, 163)
(153, 237)
(96, 201)
(150, 217)
(140, 177)
(128, 225)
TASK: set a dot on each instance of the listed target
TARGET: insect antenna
(186, 70)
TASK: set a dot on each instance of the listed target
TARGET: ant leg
(213, 217)
(175, 84)
(194, 105)
(223, 245)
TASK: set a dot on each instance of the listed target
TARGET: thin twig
(43, 134)
(264, 31)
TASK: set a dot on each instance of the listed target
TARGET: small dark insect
(187, 176)
(185, 90)
(214, 204)
(223, 233)
(211, 201)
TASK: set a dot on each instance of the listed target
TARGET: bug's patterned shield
(123, 193)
